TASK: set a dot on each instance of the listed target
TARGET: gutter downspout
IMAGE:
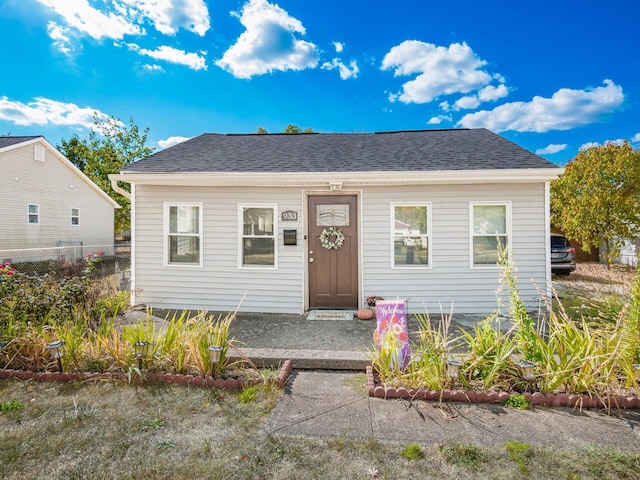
(120, 190)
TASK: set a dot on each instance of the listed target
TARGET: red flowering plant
(7, 269)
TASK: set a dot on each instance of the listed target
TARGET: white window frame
(242, 236)
(428, 235)
(508, 234)
(75, 216)
(37, 214)
(200, 234)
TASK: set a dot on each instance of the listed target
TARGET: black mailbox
(290, 237)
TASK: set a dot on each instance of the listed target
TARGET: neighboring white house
(308, 221)
(49, 209)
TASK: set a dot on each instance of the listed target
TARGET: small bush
(518, 402)
(412, 452)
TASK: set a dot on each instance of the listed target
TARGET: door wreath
(327, 235)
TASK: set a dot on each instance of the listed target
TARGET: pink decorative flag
(392, 332)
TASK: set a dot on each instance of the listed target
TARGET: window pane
(485, 249)
(184, 249)
(184, 219)
(33, 208)
(490, 220)
(411, 220)
(258, 221)
(411, 251)
(332, 215)
(258, 251)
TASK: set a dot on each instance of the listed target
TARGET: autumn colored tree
(111, 146)
(596, 201)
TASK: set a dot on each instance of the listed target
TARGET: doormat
(330, 315)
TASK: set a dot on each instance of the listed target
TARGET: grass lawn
(117, 431)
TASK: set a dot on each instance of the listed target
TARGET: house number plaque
(289, 216)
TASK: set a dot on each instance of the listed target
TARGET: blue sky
(553, 77)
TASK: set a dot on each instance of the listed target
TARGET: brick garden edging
(166, 378)
(467, 396)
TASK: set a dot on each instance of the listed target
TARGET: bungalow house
(49, 209)
(313, 221)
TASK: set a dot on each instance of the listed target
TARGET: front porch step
(303, 359)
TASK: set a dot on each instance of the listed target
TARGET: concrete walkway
(334, 404)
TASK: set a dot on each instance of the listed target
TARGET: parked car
(563, 255)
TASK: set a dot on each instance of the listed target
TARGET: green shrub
(412, 452)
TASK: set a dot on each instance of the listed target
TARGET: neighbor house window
(411, 235)
(183, 226)
(75, 216)
(258, 241)
(490, 227)
(33, 214)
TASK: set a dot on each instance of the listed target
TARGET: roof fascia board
(347, 178)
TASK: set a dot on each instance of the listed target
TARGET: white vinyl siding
(410, 230)
(33, 214)
(56, 188)
(75, 216)
(489, 229)
(220, 285)
(450, 282)
(183, 234)
(257, 226)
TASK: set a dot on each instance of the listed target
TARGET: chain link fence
(115, 259)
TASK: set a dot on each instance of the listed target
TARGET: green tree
(110, 147)
(597, 199)
(261, 131)
(296, 129)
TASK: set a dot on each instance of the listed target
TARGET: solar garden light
(527, 369)
(214, 357)
(56, 352)
(141, 352)
(453, 369)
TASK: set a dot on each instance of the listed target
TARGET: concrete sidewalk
(329, 404)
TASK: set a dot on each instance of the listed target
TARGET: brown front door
(333, 272)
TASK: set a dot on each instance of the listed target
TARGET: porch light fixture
(142, 349)
(214, 357)
(57, 352)
(453, 368)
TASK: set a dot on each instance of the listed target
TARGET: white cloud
(171, 141)
(565, 109)
(346, 72)
(439, 119)
(440, 70)
(61, 37)
(195, 61)
(588, 145)
(636, 138)
(268, 43)
(491, 93)
(551, 149)
(153, 68)
(338, 46)
(83, 17)
(44, 111)
(168, 16)
(467, 102)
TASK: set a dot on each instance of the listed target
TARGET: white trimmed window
(75, 216)
(183, 234)
(490, 230)
(411, 227)
(33, 214)
(258, 239)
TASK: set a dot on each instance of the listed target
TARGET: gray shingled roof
(8, 141)
(426, 150)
